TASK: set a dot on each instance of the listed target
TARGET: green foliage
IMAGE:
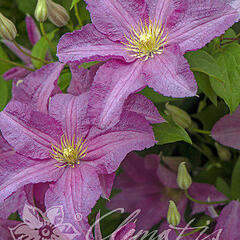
(235, 189)
(3, 93)
(74, 2)
(223, 187)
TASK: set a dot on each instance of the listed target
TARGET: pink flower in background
(17, 73)
(145, 41)
(227, 130)
(43, 226)
(147, 185)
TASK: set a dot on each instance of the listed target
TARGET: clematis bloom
(227, 129)
(145, 41)
(148, 185)
(63, 148)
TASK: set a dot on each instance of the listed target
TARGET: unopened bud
(57, 14)
(8, 30)
(178, 115)
(223, 153)
(41, 11)
(184, 179)
(173, 216)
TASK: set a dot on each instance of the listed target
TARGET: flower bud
(178, 115)
(8, 30)
(173, 216)
(223, 153)
(57, 14)
(184, 180)
(41, 11)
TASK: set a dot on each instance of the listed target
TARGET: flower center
(146, 41)
(70, 153)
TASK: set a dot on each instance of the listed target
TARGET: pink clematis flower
(228, 222)
(17, 73)
(147, 185)
(227, 130)
(63, 148)
(145, 41)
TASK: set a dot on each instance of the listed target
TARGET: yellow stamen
(70, 153)
(146, 41)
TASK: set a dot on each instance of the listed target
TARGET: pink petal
(196, 23)
(106, 182)
(15, 202)
(66, 231)
(40, 85)
(30, 133)
(16, 73)
(114, 18)
(106, 149)
(4, 228)
(113, 83)
(141, 105)
(32, 29)
(18, 171)
(169, 74)
(80, 189)
(32, 217)
(229, 222)
(227, 130)
(124, 233)
(70, 111)
(5, 149)
(88, 45)
(98, 234)
(81, 78)
(55, 215)
(204, 192)
(23, 231)
(39, 191)
(14, 49)
(236, 5)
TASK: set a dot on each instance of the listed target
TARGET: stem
(200, 131)
(201, 151)
(77, 15)
(27, 54)
(16, 64)
(202, 202)
(46, 37)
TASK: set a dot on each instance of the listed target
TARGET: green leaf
(169, 132)
(88, 64)
(223, 187)
(156, 97)
(27, 6)
(3, 93)
(201, 61)
(229, 61)
(40, 49)
(235, 189)
(74, 2)
(204, 84)
(211, 114)
(4, 66)
(64, 81)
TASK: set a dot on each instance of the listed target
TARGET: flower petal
(227, 130)
(114, 18)
(194, 23)
(106, 182)
(80, 189)
(40, 85)
(14, 49)
(30, 133)
(81, 78)
(228, 221)
(18, 171)
(169, 74)
(141, 105)
(4, 228)
(16, 73)
(32, 30)
(125, 232)
(107, 149)
(71, 112)
(88, 45)
(5, 149)
(113, 83)
(55, 215)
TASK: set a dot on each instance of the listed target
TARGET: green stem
(46, 37)
(16, 64)
(77, 15)
(200, 131)
(202, 202)
(27, 54)
(201, 151)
